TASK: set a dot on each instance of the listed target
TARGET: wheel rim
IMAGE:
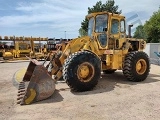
(85, 72)
(141, 66)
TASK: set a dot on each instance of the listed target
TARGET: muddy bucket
(40, 84)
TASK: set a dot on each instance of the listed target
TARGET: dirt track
(112, 99)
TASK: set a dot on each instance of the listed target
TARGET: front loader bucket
(40, 84)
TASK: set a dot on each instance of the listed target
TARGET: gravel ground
(113, 98)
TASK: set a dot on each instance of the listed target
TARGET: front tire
(82, 71)
(136, 66)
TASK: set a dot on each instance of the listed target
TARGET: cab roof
(105, 12)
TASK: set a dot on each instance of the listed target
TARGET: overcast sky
(51, 18)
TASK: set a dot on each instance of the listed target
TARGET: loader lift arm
(43, 85)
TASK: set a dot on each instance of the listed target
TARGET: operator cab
(107, 28)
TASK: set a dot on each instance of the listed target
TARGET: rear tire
(136, 66)
(82, 71)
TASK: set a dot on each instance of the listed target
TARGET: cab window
(122, 26)
(101, 23)
(114, 26)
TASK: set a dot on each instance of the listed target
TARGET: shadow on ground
(106, 83)
(110, 81)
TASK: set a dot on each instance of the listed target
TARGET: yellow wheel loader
(81, 61)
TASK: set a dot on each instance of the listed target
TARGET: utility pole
(65, 34)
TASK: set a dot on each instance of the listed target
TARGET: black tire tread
(71, 83)
(128, 66)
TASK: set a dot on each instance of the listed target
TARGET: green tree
(99, 7)
(140, 33)
(82, 32)
(152, 28)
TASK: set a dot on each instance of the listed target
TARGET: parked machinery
(21, 47)
(80, 62)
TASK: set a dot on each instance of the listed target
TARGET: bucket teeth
(37, 84)
(20, 97)
(20, 88)
(21, 85)
(21, 92)
(18, 101)
(22, 103)
(22, 82)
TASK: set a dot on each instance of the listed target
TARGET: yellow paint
(20, 74)
(85, 72)
(31, 97)
(108, 60)
(141, 66)
(112, 55)
(7, 55)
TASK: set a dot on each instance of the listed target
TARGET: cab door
(117, 32)
(114, 33)
(101, 25)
